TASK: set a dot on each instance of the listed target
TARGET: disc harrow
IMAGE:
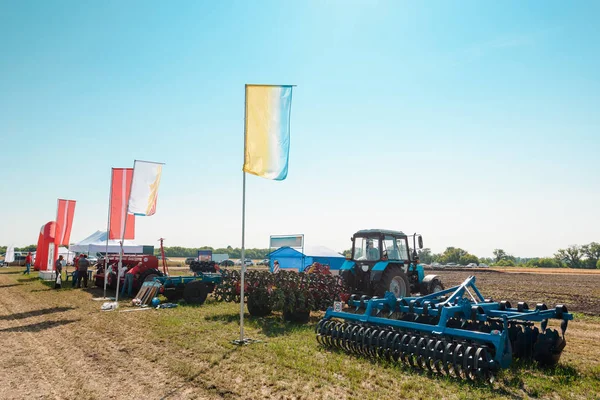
(455, 332)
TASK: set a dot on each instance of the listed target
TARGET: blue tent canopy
(290, 258)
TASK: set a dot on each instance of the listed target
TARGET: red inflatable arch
(46, 248)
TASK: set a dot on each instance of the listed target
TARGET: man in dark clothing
(58, 265)
(82, 271)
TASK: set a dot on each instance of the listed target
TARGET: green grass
(288, 359)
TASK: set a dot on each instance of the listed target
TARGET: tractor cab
(382, 260)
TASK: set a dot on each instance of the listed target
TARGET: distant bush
(543, 263)
(598, 264)
(505, 263)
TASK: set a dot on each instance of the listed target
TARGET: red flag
(64, 221)
(119, 195)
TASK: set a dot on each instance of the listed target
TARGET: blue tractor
(382, 261)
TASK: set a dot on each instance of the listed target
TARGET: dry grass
(186, 352)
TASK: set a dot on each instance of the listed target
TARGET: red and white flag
(119, 196)
(64, 221)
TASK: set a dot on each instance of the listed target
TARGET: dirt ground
(55, 348)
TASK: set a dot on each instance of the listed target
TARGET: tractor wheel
(174, 295)
(393, 280)
(431, 284)
(148, 276)
(258, 308)
(195, 293)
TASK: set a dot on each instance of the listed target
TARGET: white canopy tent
(67, 255)
(96, 243)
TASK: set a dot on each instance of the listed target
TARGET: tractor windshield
(366, 249)
(394, 248)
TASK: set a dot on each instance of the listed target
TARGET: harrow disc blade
(548, 347)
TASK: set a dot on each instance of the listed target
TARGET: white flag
(144, 188)
(10, 254)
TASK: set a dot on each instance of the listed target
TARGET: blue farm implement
(193, 289)
(455, 332)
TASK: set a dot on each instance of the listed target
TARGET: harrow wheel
(460, 359)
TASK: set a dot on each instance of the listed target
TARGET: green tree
(468, 259)
(571, 256)
(425, 256)
(598, 264)
(486, 260)
(543, 263)
(452, 255)
(592, 253)
(499, 254)
(505, 263)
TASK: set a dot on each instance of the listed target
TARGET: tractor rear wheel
(393, 280)
(195, 293)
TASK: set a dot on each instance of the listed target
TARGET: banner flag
(119, 194)
(64, 221)
(10, 254)
(267, 131)
(144, 188)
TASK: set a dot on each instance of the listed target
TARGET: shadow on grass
(33, 278)
(40, 326)
(35, 313)
(270, 326)
(10, 272)
(11, 285)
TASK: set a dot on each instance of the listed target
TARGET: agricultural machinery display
(193, 289)
(455, 332)
(295, 294)
(148, 271)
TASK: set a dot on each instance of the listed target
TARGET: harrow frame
(463, 303)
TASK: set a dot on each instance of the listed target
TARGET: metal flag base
(245, 341)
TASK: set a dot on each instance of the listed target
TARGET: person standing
(27, 263)
(58, 265)
(132, 274)
(75, 270)
(82, 271)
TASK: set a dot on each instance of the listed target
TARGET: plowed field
(580, 293)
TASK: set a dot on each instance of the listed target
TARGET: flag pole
(243, 258)
(123, 236)
(112, 171)
(243, 341)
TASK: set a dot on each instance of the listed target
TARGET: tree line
(177, 251)
(26, 249)
(574, 256)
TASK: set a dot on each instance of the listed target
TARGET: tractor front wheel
(431, 284)
(393, 280)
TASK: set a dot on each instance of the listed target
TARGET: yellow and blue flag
(267, 141)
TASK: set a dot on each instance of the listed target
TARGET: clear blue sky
(475, 123)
